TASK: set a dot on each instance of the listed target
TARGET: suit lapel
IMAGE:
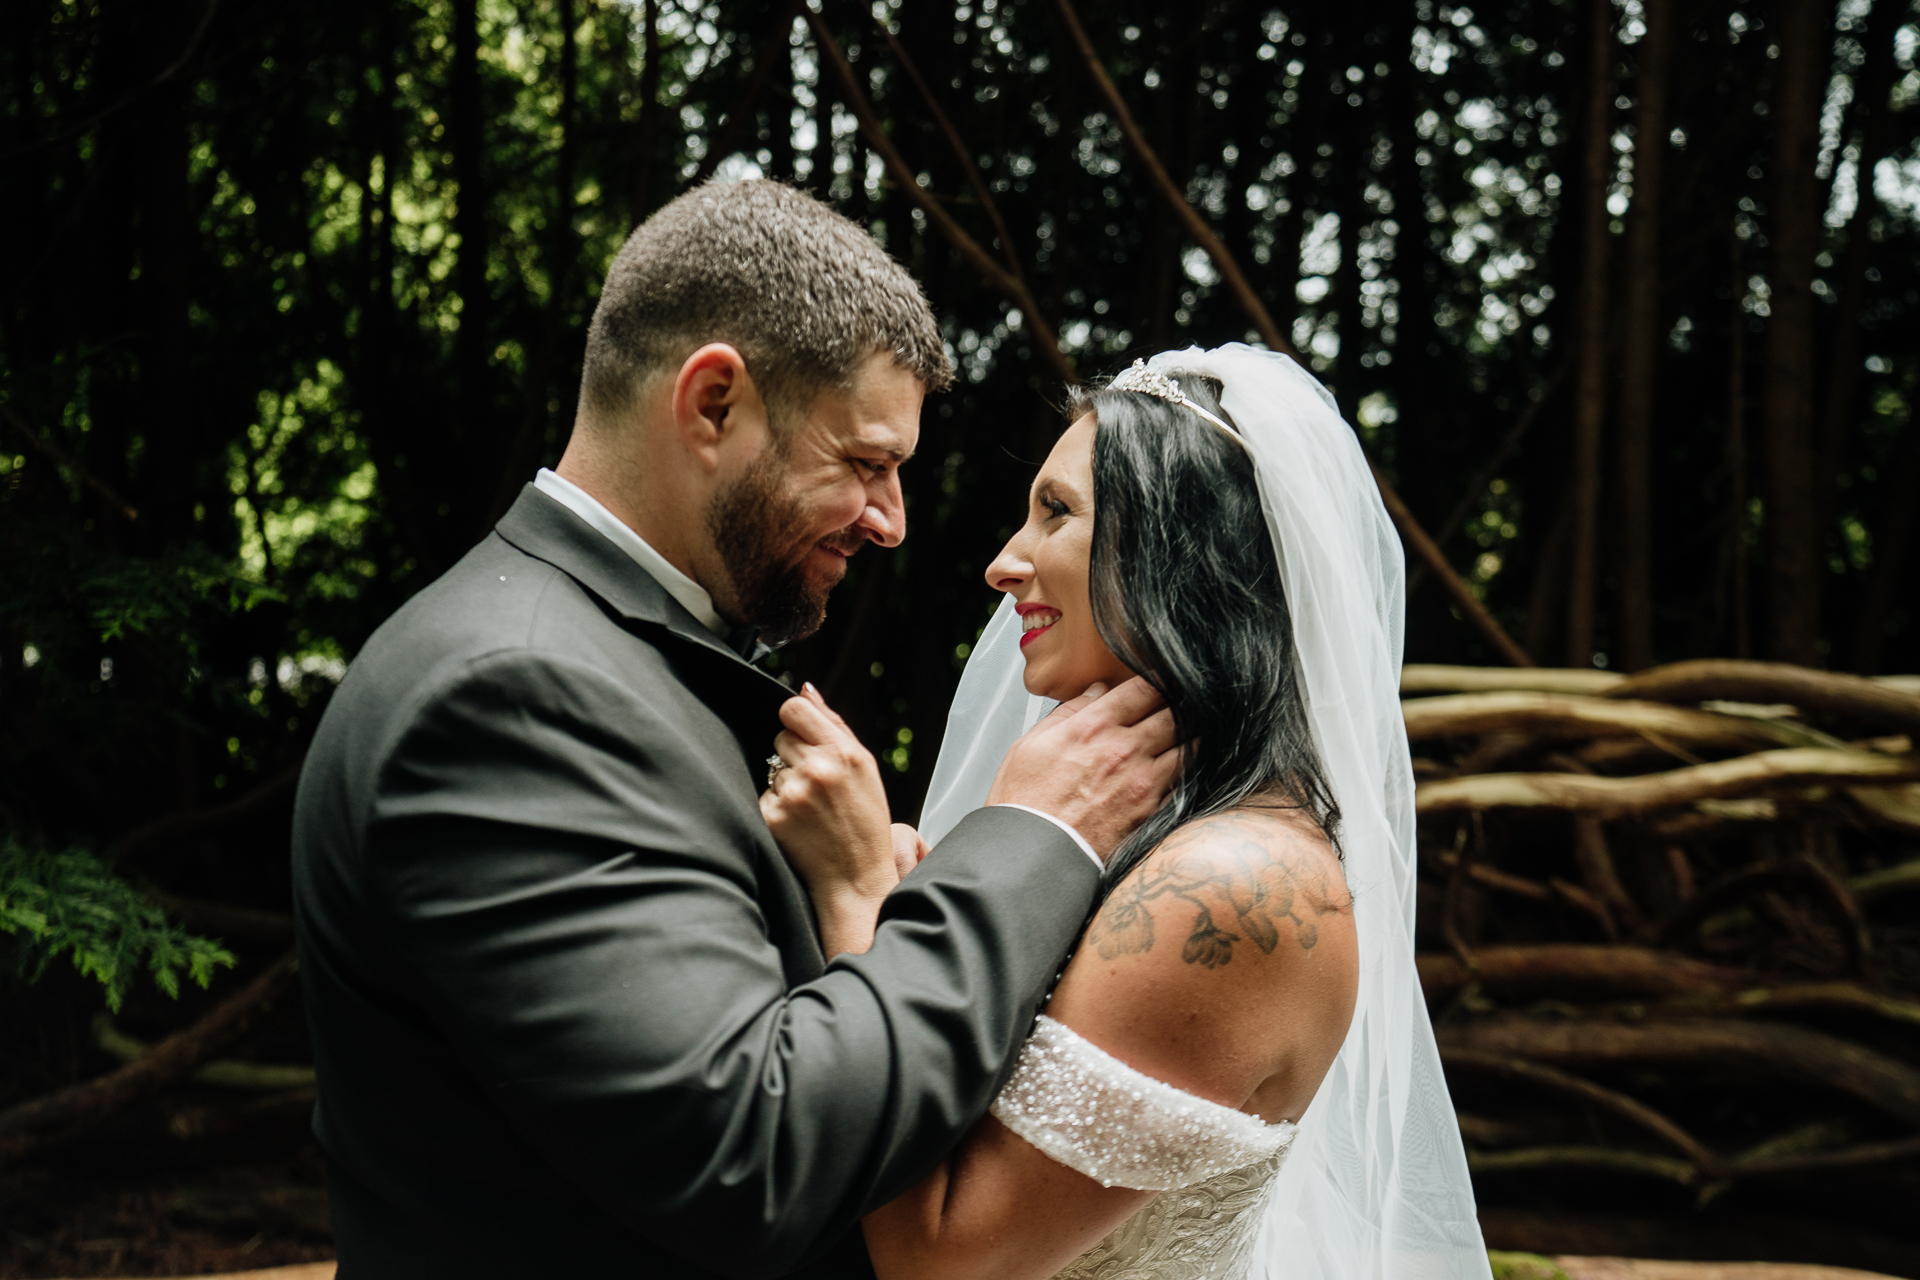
(546, 530)
(746, 699)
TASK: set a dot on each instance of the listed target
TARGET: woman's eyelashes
(1054, 507)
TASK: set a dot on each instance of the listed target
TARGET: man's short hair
(805, 295)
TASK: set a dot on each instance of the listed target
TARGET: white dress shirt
(677, 584)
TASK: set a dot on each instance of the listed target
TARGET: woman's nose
(1010, 568)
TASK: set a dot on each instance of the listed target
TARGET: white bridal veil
(1376, 1185)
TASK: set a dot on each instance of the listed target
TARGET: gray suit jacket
(569, 1009)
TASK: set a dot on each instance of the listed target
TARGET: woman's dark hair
(1186, 592)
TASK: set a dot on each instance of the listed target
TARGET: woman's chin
(1038, 680)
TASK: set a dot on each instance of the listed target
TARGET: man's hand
(1101, 763)
(828, 812)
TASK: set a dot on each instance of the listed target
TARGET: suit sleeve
(574, 906)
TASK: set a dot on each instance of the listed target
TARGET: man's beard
(751, 521)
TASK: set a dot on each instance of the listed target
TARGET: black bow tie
(745, 641)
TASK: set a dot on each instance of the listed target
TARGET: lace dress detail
(1212, 1165)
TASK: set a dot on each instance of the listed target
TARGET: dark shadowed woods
(1623, 299)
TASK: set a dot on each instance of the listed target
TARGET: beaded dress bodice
(1212, 1165)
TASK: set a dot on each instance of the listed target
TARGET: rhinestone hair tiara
(1154, 383)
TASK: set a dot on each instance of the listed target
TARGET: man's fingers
(1073, 706)
(1131, 702)
(1157, 732)
(1166, 771)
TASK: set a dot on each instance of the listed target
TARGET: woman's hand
(908, 848)
(828, 813)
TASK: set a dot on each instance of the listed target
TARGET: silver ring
(774, 765)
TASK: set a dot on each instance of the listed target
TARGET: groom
(570, 1013)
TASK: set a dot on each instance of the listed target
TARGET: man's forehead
(880, 413)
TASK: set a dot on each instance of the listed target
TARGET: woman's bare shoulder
(1251, 880)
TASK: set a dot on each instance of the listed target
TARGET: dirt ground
(136, 1204)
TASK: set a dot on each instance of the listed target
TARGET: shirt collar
(691, 595)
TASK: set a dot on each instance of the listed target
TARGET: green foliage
(1523, 1266)
(166, 599)
(72, 903)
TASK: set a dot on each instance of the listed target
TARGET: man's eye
(874, 469)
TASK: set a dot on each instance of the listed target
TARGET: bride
(1235, 1076)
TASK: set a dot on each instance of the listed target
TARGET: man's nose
(885, 517)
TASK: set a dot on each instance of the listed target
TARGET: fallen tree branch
(42, 1120)
(226, 922)
(1629, 1109)
(1189, 218)
(1575, 896)
(1578, 1157)
(1626, 797)
(961, 151)
(1896, 807)
(1463, 598)
(1840, 1158)
(1420, 678)
(1855, 698)
(1710, 816)
(1827, 887)
(1877, 884)
(1760, 1048)
(221, 1073)
(1494, 878)
(1563, 715)
(1592, 972)
(1009, 284)
(1476, 488)
(1822, 997)
(60, 457)
(1455, 898)
(1580, 970)
(188, 822)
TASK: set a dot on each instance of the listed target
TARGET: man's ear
(715, 402)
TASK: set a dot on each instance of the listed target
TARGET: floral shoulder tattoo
(1239, 892)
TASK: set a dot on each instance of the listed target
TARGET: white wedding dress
(1213, 1166)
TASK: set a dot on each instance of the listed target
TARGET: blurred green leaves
(71, 903)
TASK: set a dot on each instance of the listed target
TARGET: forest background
(1622, 297)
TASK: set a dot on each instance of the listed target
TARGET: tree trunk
(820, 174)
(1892, 544)
(1793, 543)
(1290, 229)
(472, 345)
(780, 117)
(1843, 382)
(1591, 387)
(1633, 627)
(543, 399)
(1736, 517)
(1351, 175)
(1549, 580)
(649, 143)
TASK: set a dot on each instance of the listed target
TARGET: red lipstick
(1028, 637)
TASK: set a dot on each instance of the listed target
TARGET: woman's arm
(1225, 965)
